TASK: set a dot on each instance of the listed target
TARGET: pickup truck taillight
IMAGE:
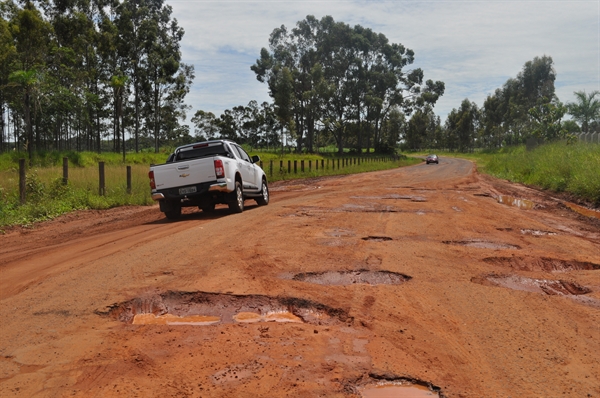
(152, 183)
(219, 169)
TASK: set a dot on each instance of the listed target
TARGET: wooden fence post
(295, 166)
(101, 179)
(302, 166)
(129, 180)
(271, 168)
(65, 171)
(289, 166)
(22, 182)
(309, 166)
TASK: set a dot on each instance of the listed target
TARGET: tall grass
(48, 197)
(556, 166)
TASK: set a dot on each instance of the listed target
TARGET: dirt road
(413, 279)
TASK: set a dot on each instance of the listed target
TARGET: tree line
(76, 74)
(331, 84)
(525, 108)
(79, 74)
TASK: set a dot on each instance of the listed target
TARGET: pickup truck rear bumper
(215, 187)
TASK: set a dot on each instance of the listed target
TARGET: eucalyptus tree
(205, 125)
(345, 79)
(462, 126)
(31, 36)
(8, 52)
(585, 109)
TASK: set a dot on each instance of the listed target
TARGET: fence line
(325, 165)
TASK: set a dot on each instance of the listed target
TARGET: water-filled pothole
(481, 244)
(352, 277)
(201, 308)
(390, 386)
(546, 286)
(516, 202)
(537, 232)
(545, 264)
(377, 238)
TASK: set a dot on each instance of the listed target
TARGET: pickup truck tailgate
(196, 171)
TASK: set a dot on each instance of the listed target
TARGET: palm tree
(586, 109)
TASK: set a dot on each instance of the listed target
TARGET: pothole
(352, 277)
(201, 308)
(412, 198)
(545, 286)
(481, 244)
(485, 194)
(536, 232)
(545, 264)
(516, 202)
(377, 238)
(389, 386)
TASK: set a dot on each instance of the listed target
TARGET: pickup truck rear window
(202, 152)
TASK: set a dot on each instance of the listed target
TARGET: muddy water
(516, 202)
(169, 319)
(277, 316)
(583, 211)
(397, 391)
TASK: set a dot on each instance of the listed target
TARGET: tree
(586, 109)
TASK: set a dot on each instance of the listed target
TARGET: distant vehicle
(206, 173)
(432, 159)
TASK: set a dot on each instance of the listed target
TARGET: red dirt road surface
(417, 281)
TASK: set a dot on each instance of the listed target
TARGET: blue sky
(472, 46)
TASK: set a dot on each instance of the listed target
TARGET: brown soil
(413, 276)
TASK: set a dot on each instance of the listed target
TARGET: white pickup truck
(206, 173)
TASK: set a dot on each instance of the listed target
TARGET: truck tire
(236, 204)
(263, 200)
(174, 211)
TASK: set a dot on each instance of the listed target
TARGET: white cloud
(473, 46)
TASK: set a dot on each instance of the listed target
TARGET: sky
(473, 46)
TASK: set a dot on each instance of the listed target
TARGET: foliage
(557, 166)
(75, 73)
(586, 109)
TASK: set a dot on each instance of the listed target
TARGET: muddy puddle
(516, 202)
(396, 391)
(388, 386)
(201, 308)
(545, 264)
(548, 287)
(481, 244)
(537, 232)
(342, 278)
(583, 211)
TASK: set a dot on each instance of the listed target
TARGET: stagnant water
(397, 391)
(516, 202)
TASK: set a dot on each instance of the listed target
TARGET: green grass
(47, 197)
(558, 166)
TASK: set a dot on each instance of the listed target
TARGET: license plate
(186, 190)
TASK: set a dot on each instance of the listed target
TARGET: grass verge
(558, 166)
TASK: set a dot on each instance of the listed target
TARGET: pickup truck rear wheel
(236, 204)
(263, 200)
(174, 211)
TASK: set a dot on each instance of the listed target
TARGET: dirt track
(416, 275)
